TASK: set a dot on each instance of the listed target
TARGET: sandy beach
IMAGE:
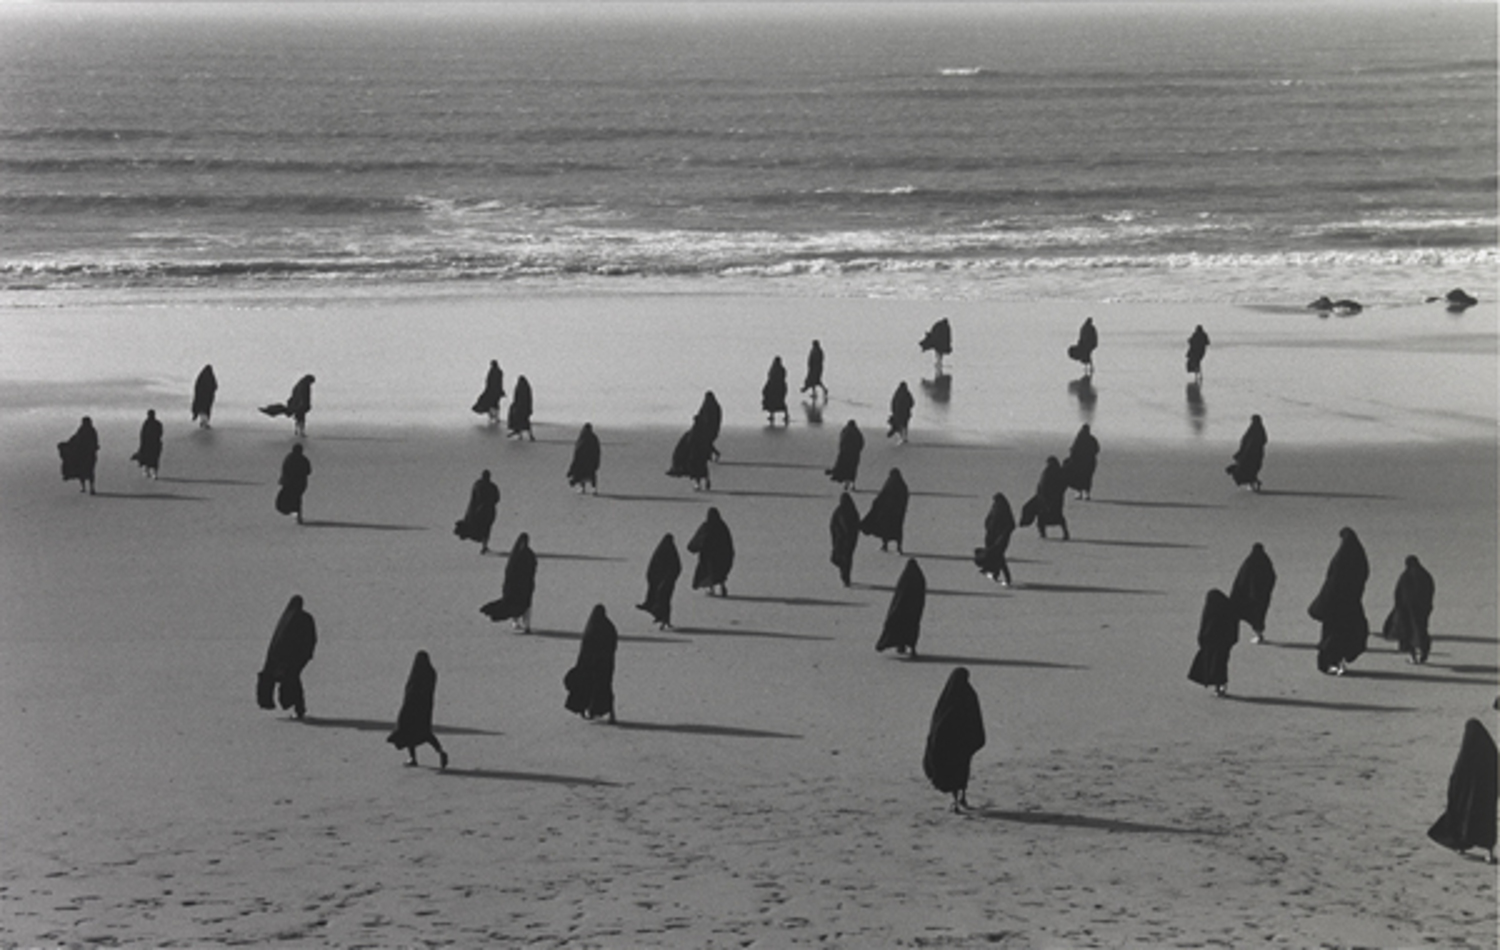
(763, 787)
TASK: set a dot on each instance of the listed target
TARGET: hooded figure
(886, 518)
(1218, 632)
(843, 528)
(1045, 508)
(583, 472)
(518, 419)
(80, 455)
(1245, 470)
(1083, 350)
(297, 405)
(591, 681)
(488, 403)
(999, 524)
(938, 339)
(1469, 821)
(813, 381)
(714, 546)
(662, 572)
(1338, 606)
(205, 388)
(773, 393)
(148, 453)
(956, 733)
(414, 721)
(1082, 460)
(706, 423)
(479, 517)
(295, 469)
(1407, 621)
(292, 646)
(690, 458)
(1197, 348)
(846, 464)
(1250, 596)
(903, 619)
(899, 420)
(516, 588)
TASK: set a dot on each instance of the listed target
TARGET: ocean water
(1177, 152)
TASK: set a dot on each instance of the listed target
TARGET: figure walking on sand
(813, 381)
(148, 451)
(843, 530)
(999, 525)
(479, 517)
(1088, 342)
(1469, 820)
(295, 471)
(1218, 632)
(1081, 463)
(1407, 622)
(1250, 595)
(886, 518)
(662, 572)
(414, 721)
(690, 458)
(714, 546)
(488, 403)
(955, 733)
(773, 393)
(899, 421)
(903, 618)
(205, 389)
(80, 455)
(1045, 508)
(846, 463)
(1339, 606)
(1197, 348)
(707, 422)
(518, 419)
(591, 681)
(1245, 469)
(297, 405)
(583, 471)
(293, 643)
(938, 339)
(517, 587)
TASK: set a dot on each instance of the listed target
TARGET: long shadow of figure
(701, 729)
(1083, 392)
(386, 725)
(1087, 821)
(530, 777)
(939, 389)
(1197, 409)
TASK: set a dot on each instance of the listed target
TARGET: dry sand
(764, 785)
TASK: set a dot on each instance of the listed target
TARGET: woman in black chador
(205, 388)
(843, 529)
(846, 464)
(1407, 621)
(148, 451)
(999, 524)
(886, 518)
(414, 721)
(516, 588)
(518, 419)
(1083, 350)
(938, 339)
(1250, 596)
(292, 646)
(1245, 469)
(956, 733)
(488, 403)
(773, 393)
(1469, 821)
(1082, 461)
(583, 472)
(297, 405)
(899, 421)
(80, 455)
(591, 681)
(295, 470)
(662, 572)
(1339, 608)
(690, 458)
(813, 381)
(1218, 632)
(1045, 508)
(1197, 348)
(903, 619)
(479, 517)
(706, 423)
(714, 546)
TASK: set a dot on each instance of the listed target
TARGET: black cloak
(295, 469)
(773, 393)
(488, 402)
(518, 584)
(714, 546)
(1082, 460)
(707, 420)
(1338, 606)
(1088, 341)
(1250, 596)
(690, 456)
(1407, 621)
(205, 388)
(1045, 508)
(292, 645)
(591, 681)
(843, 528)
(518, 418)
(1245, 470)
(298, 404)
(999, 524)
(939, 338)
(814, 378)
(1469, 821)
(886, 518)
(479, 517)
(148, 453)
(902, 402)
(846, 464)
(1218, 632)
(1197, 348)
(662, 572)
(903, 619)
(414, 721)
(584, 469)
(80, 453)
(956, 733)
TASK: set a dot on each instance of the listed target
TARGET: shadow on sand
(794, 601)
(1086, 821)
(736, 632)
(1359, 496)
(1413, 677)
(209, 481)
(542, 777)
(360, 525)
(1315, 704)
(569, 635)
(1153, 504)
(1110, 543)
(995, 661)
(161, 496)
(1086, 589)
(702, 729)
(386, 725)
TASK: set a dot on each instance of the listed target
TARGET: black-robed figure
(1250, 595)
(591, 681)
(295, 471)
(813, 381)
(903, 618)
(1088, 342)
(1218, 632)
(1408, 619)
(479, 517)
(938, 339)
(707, 421)
(1245, 469)
(517, 587)
(1197, 348)
(1082, 462)
(488, 403)
(999, 525)
(1045, 508)
(662, 572)
(846, 464)
(690, 458)
(843, 530)
(148, 450)
(518, 417)
(205, 389)
(80, 455)
(954, 735)
(1339, 607)
(414, 721)
(1469, 820)
(898, 423)
(293, 643)
(886, 518)
(583, 471)
(297, 405)
(714, 546)
(773, 393)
